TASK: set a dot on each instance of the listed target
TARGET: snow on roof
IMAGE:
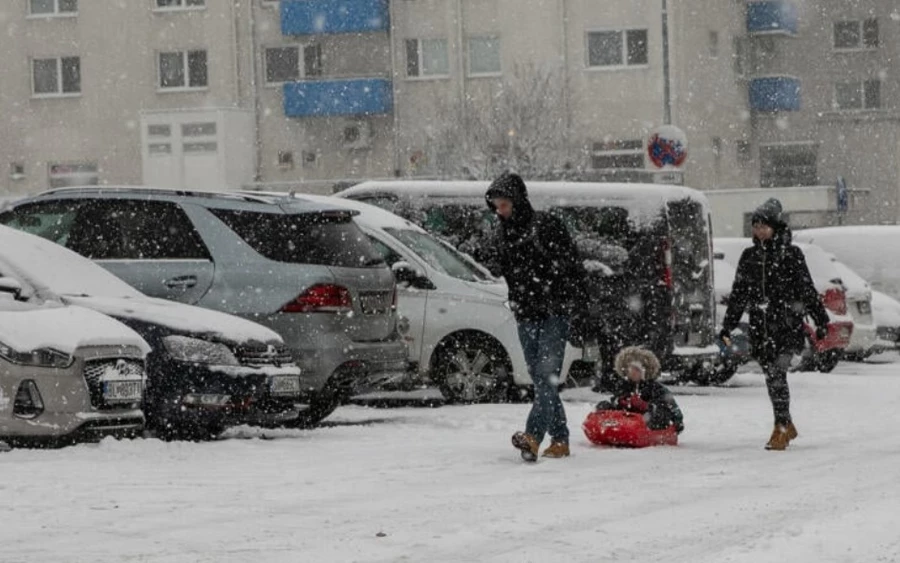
(49, 266)
(180, 317)
(65, 329)
(885, 310)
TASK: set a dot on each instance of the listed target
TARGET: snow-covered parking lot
(415, 484)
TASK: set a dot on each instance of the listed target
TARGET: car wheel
(472, 369)
(315, 412)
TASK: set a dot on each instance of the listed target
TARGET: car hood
(65, 329)
(498, 290)
(180, 318)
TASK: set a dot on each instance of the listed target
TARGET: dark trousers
(775, 365)
(544, 345)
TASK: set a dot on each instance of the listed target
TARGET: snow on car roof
(65, 329)
(368, 214)
(49, 266)
(885, 310)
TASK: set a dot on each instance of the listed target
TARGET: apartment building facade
(195, 93)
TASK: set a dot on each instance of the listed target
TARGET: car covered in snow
(871, 251)
(819, 356)
(462, 335)
(886, 311)
(206, 371)
(304, 270)
(646, 249)
(66, 373)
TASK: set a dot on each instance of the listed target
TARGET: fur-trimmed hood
(634, 354)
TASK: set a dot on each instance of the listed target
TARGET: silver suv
(303, 269)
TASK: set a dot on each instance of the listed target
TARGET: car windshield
(439, 256)
(46, 265)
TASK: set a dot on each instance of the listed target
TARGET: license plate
(122, 391)
(285, 385)
(845, 333)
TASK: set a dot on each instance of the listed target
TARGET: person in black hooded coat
(534, 252)
(773, 284)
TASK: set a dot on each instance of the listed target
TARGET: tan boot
(527, 444)
(780, 438)
(791, 432)
(557, 450)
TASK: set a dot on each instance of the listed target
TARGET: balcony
(775, 93)
(314, 17)
(775, 16)
(320, 98)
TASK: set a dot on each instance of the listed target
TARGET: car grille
(94, 370)
(376, 302)
(263, 355)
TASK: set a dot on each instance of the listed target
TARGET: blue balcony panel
(314, 17)
(775, 93)
(775, 16)
(360, 96)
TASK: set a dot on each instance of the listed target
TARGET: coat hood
(511, 186)
(634, 355)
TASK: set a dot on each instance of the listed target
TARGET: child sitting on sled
(642, 411)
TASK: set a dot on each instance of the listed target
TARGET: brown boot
(791, 431)
(557, 450)
(527, 444)
(780, 438)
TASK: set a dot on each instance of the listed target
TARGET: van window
(309, 238)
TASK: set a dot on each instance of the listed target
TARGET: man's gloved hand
(725, 337)
(821, 332)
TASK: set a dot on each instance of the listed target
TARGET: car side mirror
(11, 286)
(404, 273)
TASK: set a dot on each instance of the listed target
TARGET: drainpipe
(254, 92)
(667, 87)
(461, 51)
(394, 74)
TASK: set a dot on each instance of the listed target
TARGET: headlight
(42, 357)
(196, 351)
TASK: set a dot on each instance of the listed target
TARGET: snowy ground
(443, 484)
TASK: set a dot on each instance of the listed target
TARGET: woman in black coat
(774, 286)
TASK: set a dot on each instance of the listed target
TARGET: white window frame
(54, 14)
(301, 62)
(491, 74)
(862, 99)
(623, 64)
(639, 151)
(187, 72)
(59, 78)
(419, 52)
(183, 7)
(860, 26)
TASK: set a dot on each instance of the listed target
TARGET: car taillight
(835, 301)
(322, 298)
(666, 255)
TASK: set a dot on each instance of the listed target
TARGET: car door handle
(182, 282)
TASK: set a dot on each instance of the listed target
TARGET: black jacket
(655, 400)
(774, 285)
(534, 252)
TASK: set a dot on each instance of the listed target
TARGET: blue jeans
(544, 344)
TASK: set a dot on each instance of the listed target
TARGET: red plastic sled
(625, 429)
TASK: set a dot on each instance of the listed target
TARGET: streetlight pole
(667, 88)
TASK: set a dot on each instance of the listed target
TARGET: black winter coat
(537, 257)
(774, 285)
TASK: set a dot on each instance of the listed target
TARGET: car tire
(472, 368)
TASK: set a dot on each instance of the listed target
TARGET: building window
(16, 171)
(62, 175)
(617, 48)
(744, 152)
(283, 64)
(608, 155)
(310, 159)
(427, 57)
(714, 44)
(855, 35)
(56, 77)
(484, 56)
(49, 8)
(179, 4)
(286, 160)
(857, 95)
(182, 70)
(783, 166)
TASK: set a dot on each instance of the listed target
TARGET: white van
(461, 336)
(647, 249)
